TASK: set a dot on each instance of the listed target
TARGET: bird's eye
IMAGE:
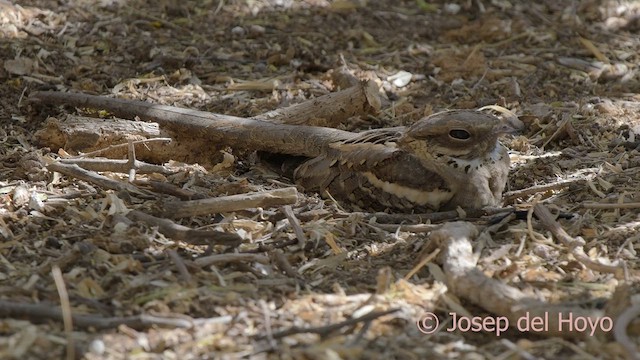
(459, 134)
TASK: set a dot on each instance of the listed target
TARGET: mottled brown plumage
(443, 161)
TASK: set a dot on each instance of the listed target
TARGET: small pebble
(238, 31)
(97, 347)
(401, 78)
(452, 8)
(256, 30)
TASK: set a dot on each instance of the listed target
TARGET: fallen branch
(96, 179)
(227, 258)
(114, 147)
(110, 138)
(295, 224)
(575, 245)
(468, 282)
(328, 110)
(81, 132)
(65, 310)
(221, 129)
(179, 232)
(620, 331)
(119, 166)
(510, 195)
(169, 189)
(222, 204)
(43, 311)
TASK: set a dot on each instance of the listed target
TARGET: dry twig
(97, 179)
(183, 233)
(295, 224)
(65, 308)
(510, 195)
(43, 311)
(575, 245)
(169, 189)
(227, 258)
(225, 204)
(328, 110)
(112, 147)
(468, 282)
(326, 330)
(620, 331)
(119, 166)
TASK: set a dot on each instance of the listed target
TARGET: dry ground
(569, 69)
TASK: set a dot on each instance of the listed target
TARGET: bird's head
(462, 134)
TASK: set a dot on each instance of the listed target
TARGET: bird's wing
(363, 151)
(372, 171)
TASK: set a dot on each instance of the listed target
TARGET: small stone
(452, 8)
(97, 347)
(238, 31)
(256, 30)
(401, 78)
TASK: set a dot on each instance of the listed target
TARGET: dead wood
(511, 195)
(329, 110)
(295, 224)
(621, 334)
(102, 151)
(389, 220)
(169, 189)
(227, 258)
(468, 282)
(214, 129)
(179, 232)
(97, 179)
(43, 311)
(65, 308)
(95, 136)
(82, 132)
(120, 166)
(575, 245)
(224, 204)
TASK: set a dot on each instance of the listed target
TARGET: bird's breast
(431, 197)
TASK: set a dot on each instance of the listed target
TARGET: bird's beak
(510, 124)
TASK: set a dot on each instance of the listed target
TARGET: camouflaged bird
(443, 161)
